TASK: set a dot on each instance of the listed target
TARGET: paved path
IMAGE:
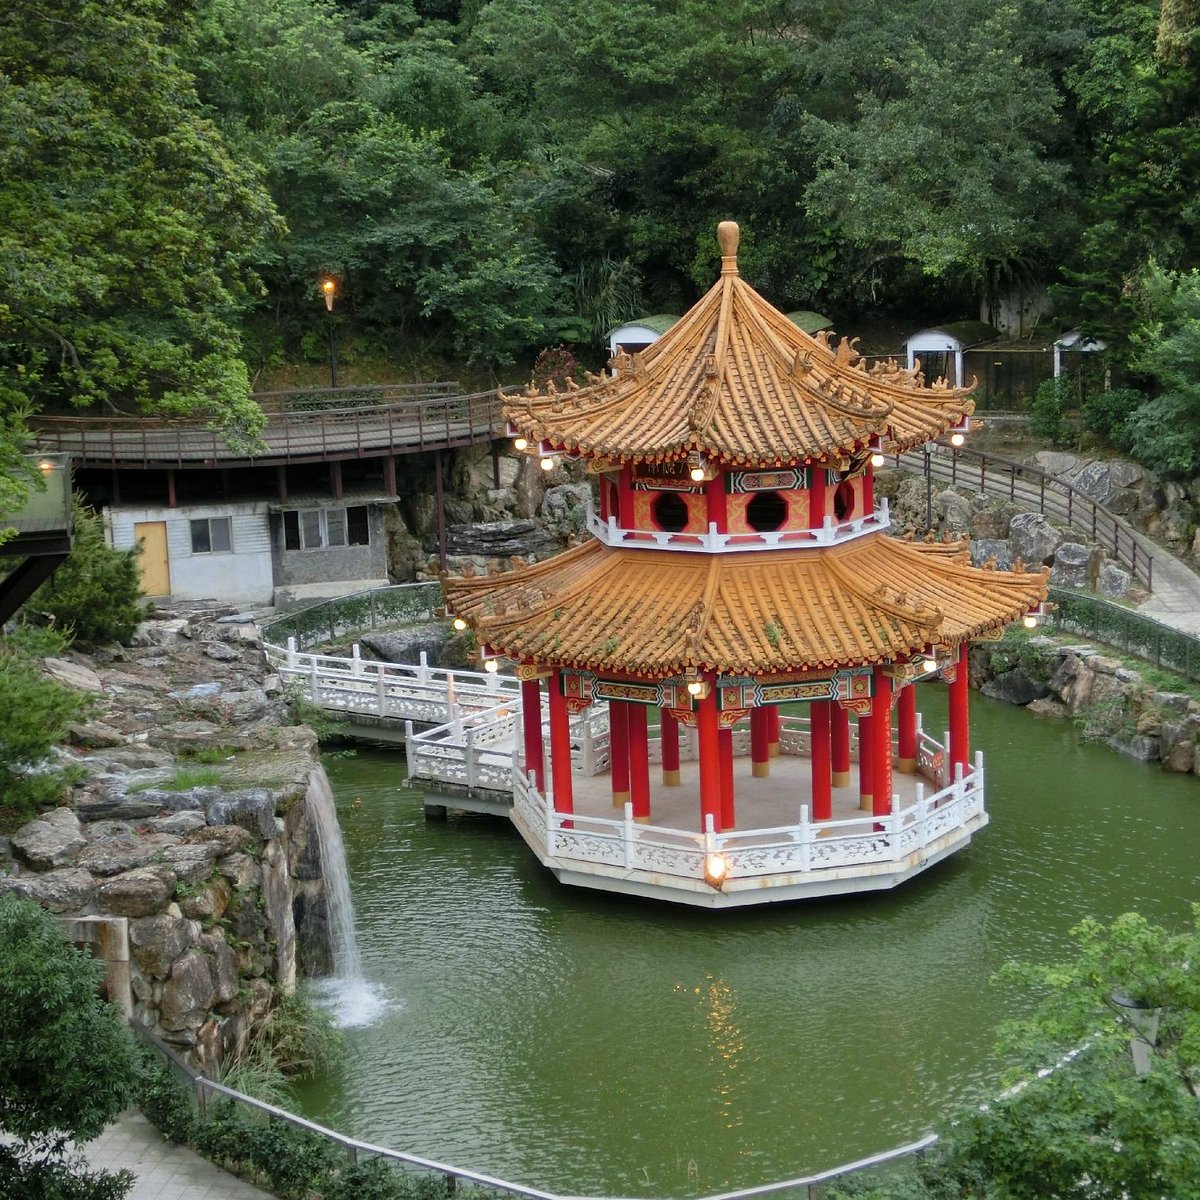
(164, 1170)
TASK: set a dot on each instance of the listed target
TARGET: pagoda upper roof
(738, 381)
(656, 614)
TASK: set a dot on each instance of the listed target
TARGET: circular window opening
(843, 500)
(766, 512)
(670, 512)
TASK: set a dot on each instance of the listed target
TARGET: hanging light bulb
(548, 464)
(491, 666)
(877, 458)
(716, 867)
(929, 665)
(520, 443)
(957, 439)
(1029, 621)
(459, 624)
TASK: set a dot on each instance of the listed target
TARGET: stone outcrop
(184, 823)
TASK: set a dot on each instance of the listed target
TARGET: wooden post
(281, 482)
(668, 725)
(172, 499)
(906, 731)
(881, 751)
(760, 745)
(531, 726)
(725, 744)
(440, 494)
(335, 480)
(822, 780)
(839, 730)
(389, 474)
(638, 762)
(560, 747)
(866, 768)
(618, 751)
(960, 737)
(710, 760)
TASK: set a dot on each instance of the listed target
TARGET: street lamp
(329, 290)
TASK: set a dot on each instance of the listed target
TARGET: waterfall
(353, 999)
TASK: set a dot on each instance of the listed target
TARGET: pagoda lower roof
(656, 613)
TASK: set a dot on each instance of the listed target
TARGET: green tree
(94, 594)
(67, 1063)
(35, 713)
(125, 223)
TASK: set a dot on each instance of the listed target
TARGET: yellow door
(156, 574)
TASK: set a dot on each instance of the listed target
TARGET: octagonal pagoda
(719, 686)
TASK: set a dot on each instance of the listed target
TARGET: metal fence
(344, 616)
(207, 1093)
(1126, 629)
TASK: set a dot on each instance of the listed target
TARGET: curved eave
(654, 613)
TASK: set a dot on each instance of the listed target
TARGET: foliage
(1047, 411)
(73, 1067)
(1107, 413)
(1165, 431)
(164, 1100)
(95, 592)
(35, 711)
(125, 223)
(23, 1177)
(299, 1035)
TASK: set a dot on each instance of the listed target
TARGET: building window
(325, 528)
(766, 512)
(212, 535)
(670, 512)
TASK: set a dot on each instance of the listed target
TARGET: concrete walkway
(164, 1170)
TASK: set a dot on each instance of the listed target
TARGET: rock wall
(1111, 701)
(190, 821)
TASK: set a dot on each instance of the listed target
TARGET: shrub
(1107, 414)
(95, 592)
(165, 1100)
(1050, 405)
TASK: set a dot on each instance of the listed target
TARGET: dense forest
(484, 178)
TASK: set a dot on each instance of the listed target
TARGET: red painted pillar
(710, 760)
(725, 743)
(639, 761)
(866, 766)
(868, 491)
(625, 499)
(531, 725)
(716, 504)
(839, 731)
(960, 737)
(560, 747)
(773, 730)
(881, 751)
(760, 742)
(618, 751)
(668, 725)
(817, 504)
(819, 739)
(906, 730)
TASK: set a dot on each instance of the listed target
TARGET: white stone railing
(398, 691)
(471, 751)
(808, 846)
(830, 533)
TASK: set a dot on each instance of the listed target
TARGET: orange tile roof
(736, 379)
(657, 612)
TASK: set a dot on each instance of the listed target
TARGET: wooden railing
(1026, 485)
(403, 426)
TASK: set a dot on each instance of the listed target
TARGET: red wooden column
(816, 498)
(725, 744)
(531, 726)
(560, 747)
(881, 750)
(639, 761)
(868, 491)
(760, 741)
(906, 730)
(822, 779)
(839, 731)
(625, 498)
(773, 730)
(618, 751)
(710, 760)
(715, 504)
(866, 763)
(668, 725)
(960, 737)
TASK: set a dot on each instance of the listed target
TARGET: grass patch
(211, 754)
(183, 780)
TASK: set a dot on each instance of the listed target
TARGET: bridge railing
(1126, 629)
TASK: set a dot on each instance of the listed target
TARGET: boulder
(1056, 463)
(983, 549)
(1015, 687)
(1122, 473)
(192, 863)
(1176, 746)
(208, 904)
(137, 893)
(70, 890)
(156, 942)
(241, 871)
(51, 840)
(114, 806)
(991, 517)
(223, 966)
(188, 993)
(1075, 565)
(180, 823)
(501, 539)
(73, 675)
(228, 839)
(251, 808)
(1047, 707)
(1113, 580)
(1173, 702)
(1034, 540)
(122, 852)
(93, 735)
(564, 508)
(406, 645)
(1094, 481)
(1136, 745)
(221, 651)
(952, 511)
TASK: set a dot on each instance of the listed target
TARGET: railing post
(423, 667)
(897, 824)
(381, 690)
(551, 817)
(291, 653)
(628, 834)
(469, 757)
(356, 659)
(314, 686)
(332, 626)
(806, 837)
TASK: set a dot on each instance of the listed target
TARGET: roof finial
(727, 239)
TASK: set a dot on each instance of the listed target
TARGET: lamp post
(329, 290)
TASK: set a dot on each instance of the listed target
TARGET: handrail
(369, 606)
(201, 1085)
(1116, 625)
(1079, 510)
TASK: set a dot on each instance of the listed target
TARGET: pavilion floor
(766, 802)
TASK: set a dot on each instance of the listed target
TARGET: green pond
(593, 1045)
